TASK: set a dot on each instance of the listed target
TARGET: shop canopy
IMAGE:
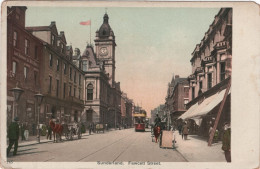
(196, 111)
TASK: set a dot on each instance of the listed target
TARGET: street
(116, 145)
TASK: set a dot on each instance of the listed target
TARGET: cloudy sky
(152, 43)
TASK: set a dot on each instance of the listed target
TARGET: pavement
(196, 149)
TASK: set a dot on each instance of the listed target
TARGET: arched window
(90, 92)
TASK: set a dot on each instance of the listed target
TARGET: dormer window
(62, 48)
(53, 40)
(84, 65)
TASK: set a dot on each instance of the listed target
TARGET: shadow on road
(18, 153)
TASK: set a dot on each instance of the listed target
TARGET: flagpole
(90, 33)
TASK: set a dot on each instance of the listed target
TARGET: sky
(153, 44)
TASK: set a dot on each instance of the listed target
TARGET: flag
(85, 23)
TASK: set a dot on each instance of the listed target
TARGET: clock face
(103, 51)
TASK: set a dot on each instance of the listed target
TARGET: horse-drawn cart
(71, 130)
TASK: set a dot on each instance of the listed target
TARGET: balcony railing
(199, 70)
(208, 59)
(221, 45)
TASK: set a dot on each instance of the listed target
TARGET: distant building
(177, 97)
(126, 110)
(24, 53)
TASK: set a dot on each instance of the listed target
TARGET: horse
(156, 131)
(57, 129)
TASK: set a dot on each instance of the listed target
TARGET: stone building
(211, 59)
(103, 93)
(24, 52)
(211, 74)
(62, 81)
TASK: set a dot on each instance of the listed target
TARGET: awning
(196, 111)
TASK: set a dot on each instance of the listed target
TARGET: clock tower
(105, 48)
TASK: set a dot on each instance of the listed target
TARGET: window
(57, 88)
(64, 90)
(27, 45)
(50, 84)
(58, 64)
(79, 93)
(15, 39)
(25, 72)
(75, 76)
(200, 84)
(50, 59)
(70, 91)
(74, 92)
(70, 73)
(65, 68)
(186, 101)
(85, 65)
(193, 92)
(35, 52)
(62, 48)
(90, 92)
(222, 70)
(79, 79)
(14, 68)
(35, 78)
(209, 80)
(53, 40)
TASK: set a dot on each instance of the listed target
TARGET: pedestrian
(22, 132)
(33, 129)
(90, 128)
(49, 134)
(210, 129)
(157, 121)
(179, 129)
(13, 135)
(26, 131)
(185, 131)
(226, 142)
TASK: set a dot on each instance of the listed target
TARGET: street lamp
(17, 92)
(39, 98)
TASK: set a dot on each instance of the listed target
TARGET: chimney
(177, 76)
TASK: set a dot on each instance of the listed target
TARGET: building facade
(102, 92)
(24, 53)
(211, 76)
(211, 59)
(177, 98)
(62, 81)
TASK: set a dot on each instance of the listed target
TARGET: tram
(139, 120)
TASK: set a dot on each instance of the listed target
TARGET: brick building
(62, 81)
(24, 52)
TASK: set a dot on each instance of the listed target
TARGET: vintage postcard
(129, 84)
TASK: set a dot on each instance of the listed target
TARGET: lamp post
(17, 92)
(39, 98)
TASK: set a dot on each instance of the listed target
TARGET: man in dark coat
(13, 135)
(226, 142)
(157, 121)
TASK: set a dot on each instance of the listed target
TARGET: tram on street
(139, 121)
